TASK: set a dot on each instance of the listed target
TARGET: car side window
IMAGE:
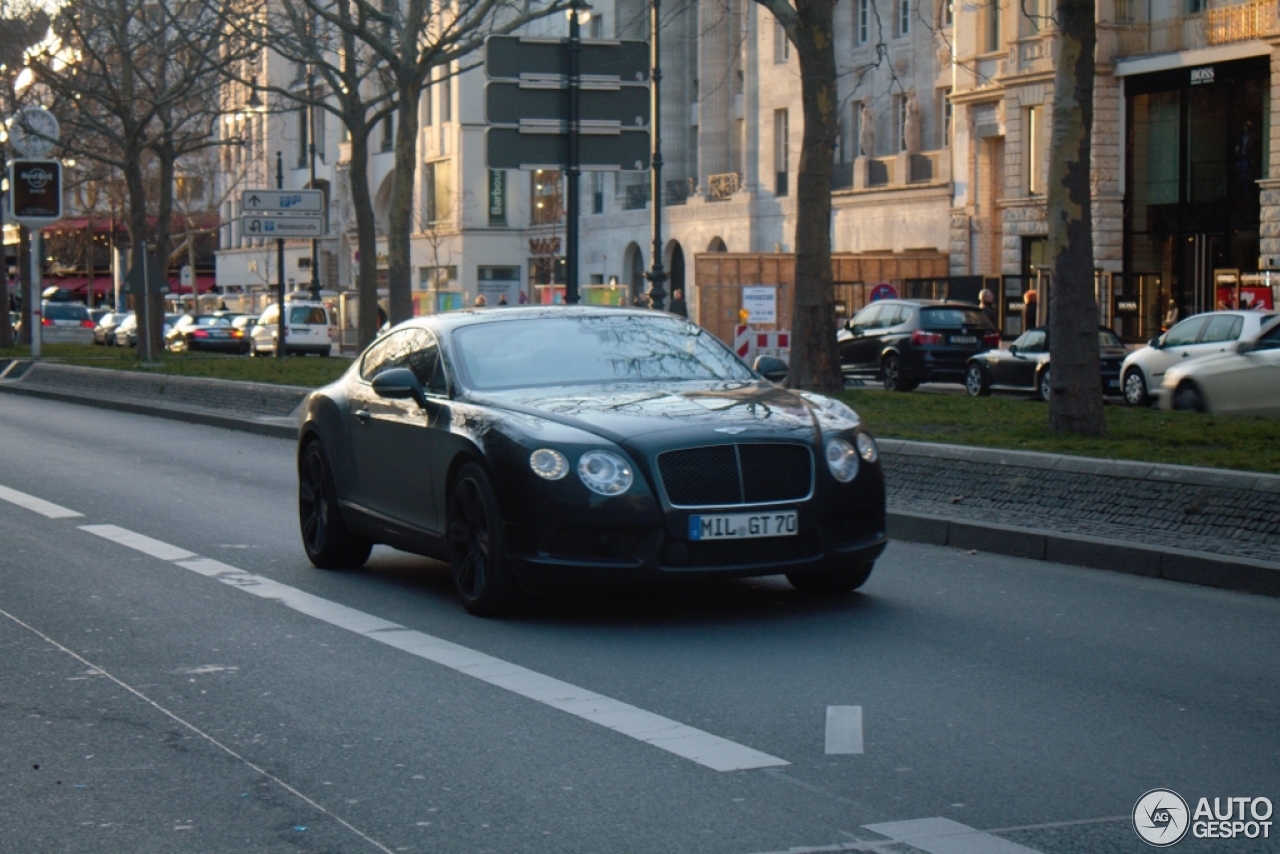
(1271, 340)
(1034, 342)
(905, 314)
(1185, 332)
(425, 363)
(1222, 327)
(865, 318)
(391, 352)
(890, 315)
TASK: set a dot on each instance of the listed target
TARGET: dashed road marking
(844, 730)
(37, 505)
(944, 836)
(138, 542)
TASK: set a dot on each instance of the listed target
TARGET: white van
(309, 328)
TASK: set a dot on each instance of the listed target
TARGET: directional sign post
(282, 201)
(283, 226)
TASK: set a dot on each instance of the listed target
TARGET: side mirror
(399, 384)
(1154, 343)
(1013, 349)
(772, 368)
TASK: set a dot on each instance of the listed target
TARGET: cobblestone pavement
(1219, 520)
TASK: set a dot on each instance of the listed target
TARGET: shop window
(548, 204)
(437, 190)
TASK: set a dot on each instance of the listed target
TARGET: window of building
(862, 22)
(944, 114)
(947, 13)
(781, 152)
(437, 190)
(446, 100)
(992, 13)
(855, 130)
(781, 44)
(302, 137)
(900, 122)
(425, 108)
(389, 132)
(1035, 150)
(189, 188)
(597, 27)
(321, 132)
(597, 192)
(904, 17)
(1036, 14)
(548, 205)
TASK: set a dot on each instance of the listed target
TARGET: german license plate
(739, 526)
(964, 339)
(1113, 383)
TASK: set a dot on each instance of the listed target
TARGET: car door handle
(363, 415)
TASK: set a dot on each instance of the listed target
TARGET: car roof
(469, 316)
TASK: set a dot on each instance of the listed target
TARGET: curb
(1210, 570)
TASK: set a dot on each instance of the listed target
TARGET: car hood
(624, 411)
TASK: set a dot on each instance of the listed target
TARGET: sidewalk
(1206, 526)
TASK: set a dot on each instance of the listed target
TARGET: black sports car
(536, 446)
(1025, 365)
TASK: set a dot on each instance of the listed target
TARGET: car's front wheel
(976, 381)
(1135, 388)
(328, 543)
(831, 580)
(1188, 398)
(1043, 387)
(477, 549)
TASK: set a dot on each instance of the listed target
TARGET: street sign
(282, 201)
(513, 57)
(510, 148)
(283, 227)
(36, 199)
(507, 102)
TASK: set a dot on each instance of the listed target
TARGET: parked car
(538, 446)
(309, 328)
(1244, 380)
(1025, 365)
(1200, 335)
(102, 333)
(209, 332)
(906, 342)
(65, 323)
(245, 323)
(126, 332)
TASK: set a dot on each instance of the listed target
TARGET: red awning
(204, 283)
(79, 284)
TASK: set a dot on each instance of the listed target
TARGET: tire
(1135, 388)
(1044, 390)
(328, 543)
(831, 581)
(891, 373)
(976, 381)
(1187, 398)
(477, 547)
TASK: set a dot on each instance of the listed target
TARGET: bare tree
(1076, 402)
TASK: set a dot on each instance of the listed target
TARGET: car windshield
(313, 315)
(946, 317)
(592, 349)
(54, 311)
(1108, 339)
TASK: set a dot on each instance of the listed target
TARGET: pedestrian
(382, 317)
(502, 299)
(523, 299)
(1170, 315)
(1029, 305)
(481, 302)
(988, 300)
(678, 305)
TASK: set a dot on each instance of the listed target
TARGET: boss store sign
(36, 192)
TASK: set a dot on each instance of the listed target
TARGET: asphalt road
(206, 690)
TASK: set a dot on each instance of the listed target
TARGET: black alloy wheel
(976, 381)
(831, 581)
(328, 543)
(891, 371)
(1043, 388)
(1188, 398)
(1135, 388)
(477, 549)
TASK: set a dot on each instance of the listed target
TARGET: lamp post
(573, 172)
(657, 276)
(314, 287)
(281, 348)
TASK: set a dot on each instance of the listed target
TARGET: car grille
(751, 552)
(721, 475)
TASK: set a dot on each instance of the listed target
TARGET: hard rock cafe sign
(544, 246)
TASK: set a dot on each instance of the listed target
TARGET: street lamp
(657, 276)
(311, 154)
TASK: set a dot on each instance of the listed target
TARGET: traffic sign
(507, 102)
(513, 57)
(283, 227)
(510, 148)
(282, 201)
(36, 199)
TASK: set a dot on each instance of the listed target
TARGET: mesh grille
(736, 474)
(606, 544)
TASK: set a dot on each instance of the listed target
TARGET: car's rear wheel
(1188, 398)
(1135, 388)
(477, 549)
(891, 373)
(976, 381)
(843, 580)
(325, 537)
(1043, 387)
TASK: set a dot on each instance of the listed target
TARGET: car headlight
(842, 460)
(605, 472)
(867, 447)
(549, 464)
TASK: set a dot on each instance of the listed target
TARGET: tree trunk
(400, 219)
(366, 239)
(6, 325)
(137, 224)
(1076, 404)
(815, 361)
(24, 282)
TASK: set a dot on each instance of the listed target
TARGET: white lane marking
(844, 730)
(38, 505)
(138, 542)
(688, 742)
(944, 836)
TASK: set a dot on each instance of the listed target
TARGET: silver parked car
(1201, 335)
(65, 323)
(1244, 380)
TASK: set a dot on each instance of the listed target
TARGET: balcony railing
(636, 198)
(721, 187)
(677, 192)
(1223, 25)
